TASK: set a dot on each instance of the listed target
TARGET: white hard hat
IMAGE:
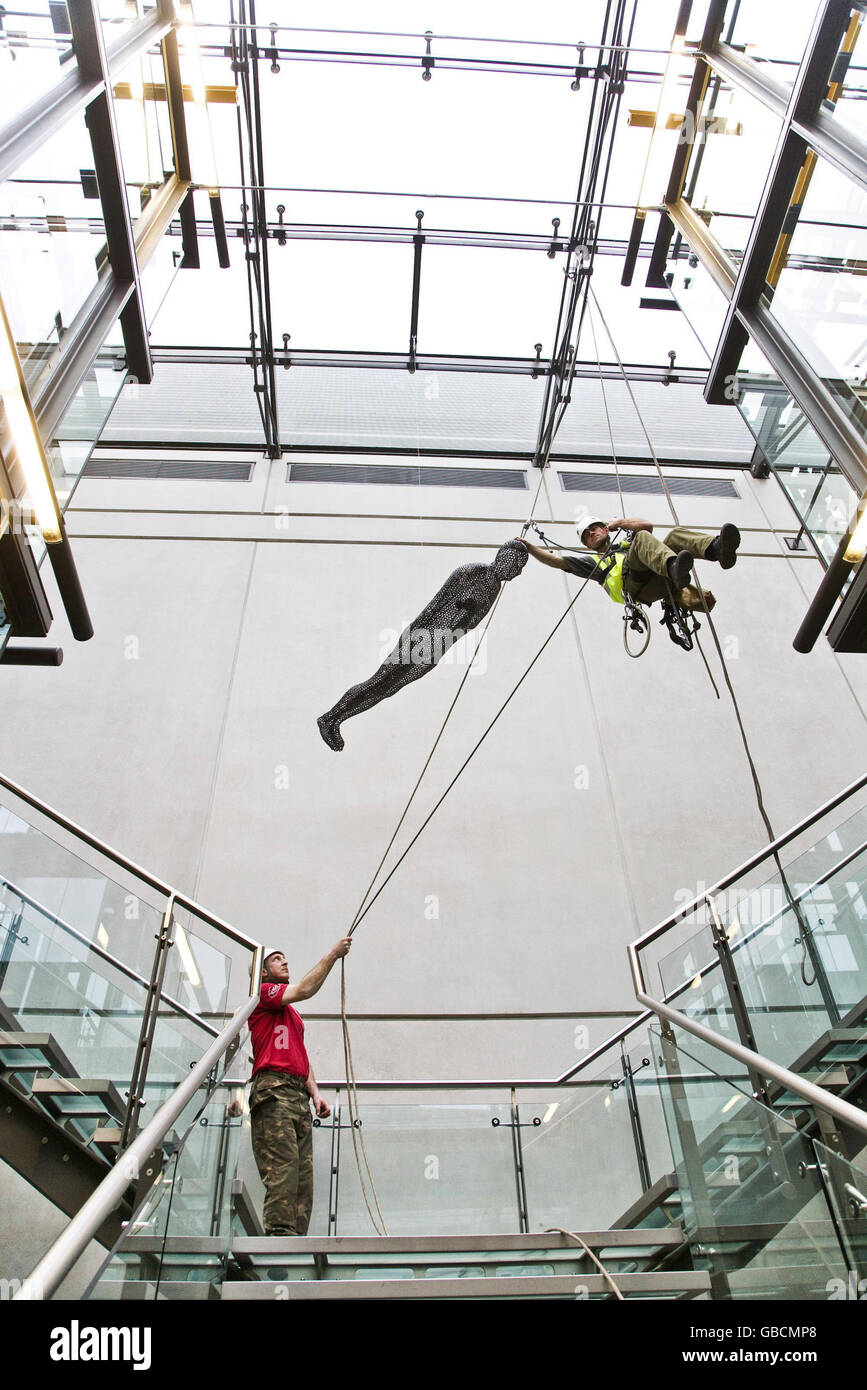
(272, 951)
(586, 522)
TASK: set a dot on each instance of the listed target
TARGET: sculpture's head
(509, 560)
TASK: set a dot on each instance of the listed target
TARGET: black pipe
(824, 599)
(69, 584)
(189, 238)
(632, 248)
(219, 230)
(31, 656)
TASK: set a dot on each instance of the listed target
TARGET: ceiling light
(857, 543)
(189, 964)
(25, 437)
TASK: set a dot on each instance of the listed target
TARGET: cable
(573, 1235)
(475, 749)
(757, 786)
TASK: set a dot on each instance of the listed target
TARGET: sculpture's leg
(392, 676)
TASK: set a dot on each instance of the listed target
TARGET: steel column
(150, 1012)
(808, 91)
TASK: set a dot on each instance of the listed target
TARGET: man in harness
(640, 566)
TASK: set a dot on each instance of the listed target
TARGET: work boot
(724, 547)
(330, 732)
(678, 568)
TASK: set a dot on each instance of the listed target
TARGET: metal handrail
(123, 862)
(57, 1261)
(714, 963)
(751, 863)
(100, 951)
(814, 1095)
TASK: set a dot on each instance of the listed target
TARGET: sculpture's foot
(330, 733)
(690, 599)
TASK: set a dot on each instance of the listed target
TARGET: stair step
(78, 1097)
(8, 1020)
(106, 1138)
(656, 1284)
(28, 1052)
(246, 1248)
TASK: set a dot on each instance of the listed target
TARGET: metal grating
(637, 482)
(405, 475)
(186, 470)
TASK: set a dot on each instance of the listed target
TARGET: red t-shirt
(277, 1034)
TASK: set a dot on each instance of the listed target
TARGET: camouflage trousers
(282, 1133)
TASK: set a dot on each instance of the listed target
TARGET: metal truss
(254, 229)
(806, 127)
(608, 86)
(430, 362)
(116, 293)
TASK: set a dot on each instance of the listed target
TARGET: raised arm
(629, 523)
(546, 557)
(315, 978)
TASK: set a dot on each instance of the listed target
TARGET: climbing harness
(682, 625)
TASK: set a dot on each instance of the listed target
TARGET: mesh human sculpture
(460, 605)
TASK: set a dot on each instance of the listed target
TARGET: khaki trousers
(644, 569)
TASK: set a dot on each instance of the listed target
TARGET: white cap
(586, 522)
(272, 951)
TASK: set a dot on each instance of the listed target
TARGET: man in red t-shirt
(283, 1086)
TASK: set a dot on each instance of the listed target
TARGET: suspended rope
(365, 1174)
(757, 786)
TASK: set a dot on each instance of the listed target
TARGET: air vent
(636, 482)
(182, 470)
(405, 475)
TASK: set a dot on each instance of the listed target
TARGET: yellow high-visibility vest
(613, 581)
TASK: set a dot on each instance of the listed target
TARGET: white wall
(223, 628)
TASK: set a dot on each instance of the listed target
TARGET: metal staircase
(691, 1153)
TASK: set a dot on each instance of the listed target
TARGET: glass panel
(90, 1006)
(439, 1169)
(34, 57)
(143, 126)
(821, 296)
(800, 953)
(849, 108)
(755, 1208)
(83, 422)
(819, 493)
(756, 26)
(565, 1131)
(735, 160)
(703, 304)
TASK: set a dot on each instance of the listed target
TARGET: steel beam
(86, 26)
(86, 334)
(803, 105)
(833, 426)
(26, 132)
(694, 230)
(175, 92)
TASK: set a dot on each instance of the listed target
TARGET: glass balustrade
(761, 1199)
(793, 950)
